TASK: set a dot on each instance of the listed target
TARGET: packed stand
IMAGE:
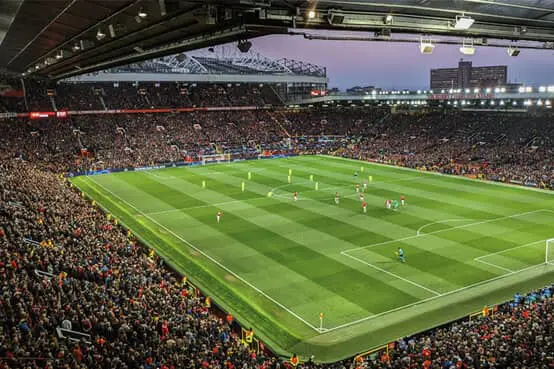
(65, 264)
(45, 96)
(89, 142)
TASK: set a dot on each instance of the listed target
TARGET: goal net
(216, 158)
(549, 258)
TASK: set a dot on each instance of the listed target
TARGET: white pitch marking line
(512, 248)
(447, 229)
(213, 260)
(392, 274)
(493, 265)
(427, 173)
(440, 222)
(479, 258)
(370, 317)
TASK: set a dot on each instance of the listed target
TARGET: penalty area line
(392, 274)
(447, 229)
(211, 259)
(432, 298)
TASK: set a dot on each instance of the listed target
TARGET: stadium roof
(61, 38)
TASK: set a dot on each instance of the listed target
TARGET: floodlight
(76, 47)
(100, 35)
(142, 14)
(463, 22)
(334, 17)
(311, 14)
(426, 46)
(542, 89)
(467, 47)
(59, 55)
(513, 51)
(388, 19)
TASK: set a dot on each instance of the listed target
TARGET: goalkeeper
(400, 255)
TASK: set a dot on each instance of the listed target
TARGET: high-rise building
(468, 76)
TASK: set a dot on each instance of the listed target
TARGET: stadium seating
(65, 265)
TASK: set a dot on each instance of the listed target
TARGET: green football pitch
(276, 263)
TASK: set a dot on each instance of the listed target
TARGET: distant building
(468, 76)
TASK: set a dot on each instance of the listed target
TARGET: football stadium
(174, 197)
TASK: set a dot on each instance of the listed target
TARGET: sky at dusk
(395, 65)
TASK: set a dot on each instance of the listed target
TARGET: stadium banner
(166, 165)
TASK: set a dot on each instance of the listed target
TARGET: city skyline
(400, 65)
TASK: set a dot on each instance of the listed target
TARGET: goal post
(549, 255)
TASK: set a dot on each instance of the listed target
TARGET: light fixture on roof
(100, 35)
(426, 46)
(463, 22)
(76, 47)
(388, 19)
(142, 14)
(311, 14)
(513, 51)
(59, 55)
(335, 17)
(467, 47)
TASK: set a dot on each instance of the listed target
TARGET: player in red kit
(295, 196)
(218, 216)
(364, 207)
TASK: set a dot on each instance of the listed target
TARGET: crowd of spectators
(506, 147)
(46, 96)
(65, 264)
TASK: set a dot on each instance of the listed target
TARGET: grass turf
(276, 264)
